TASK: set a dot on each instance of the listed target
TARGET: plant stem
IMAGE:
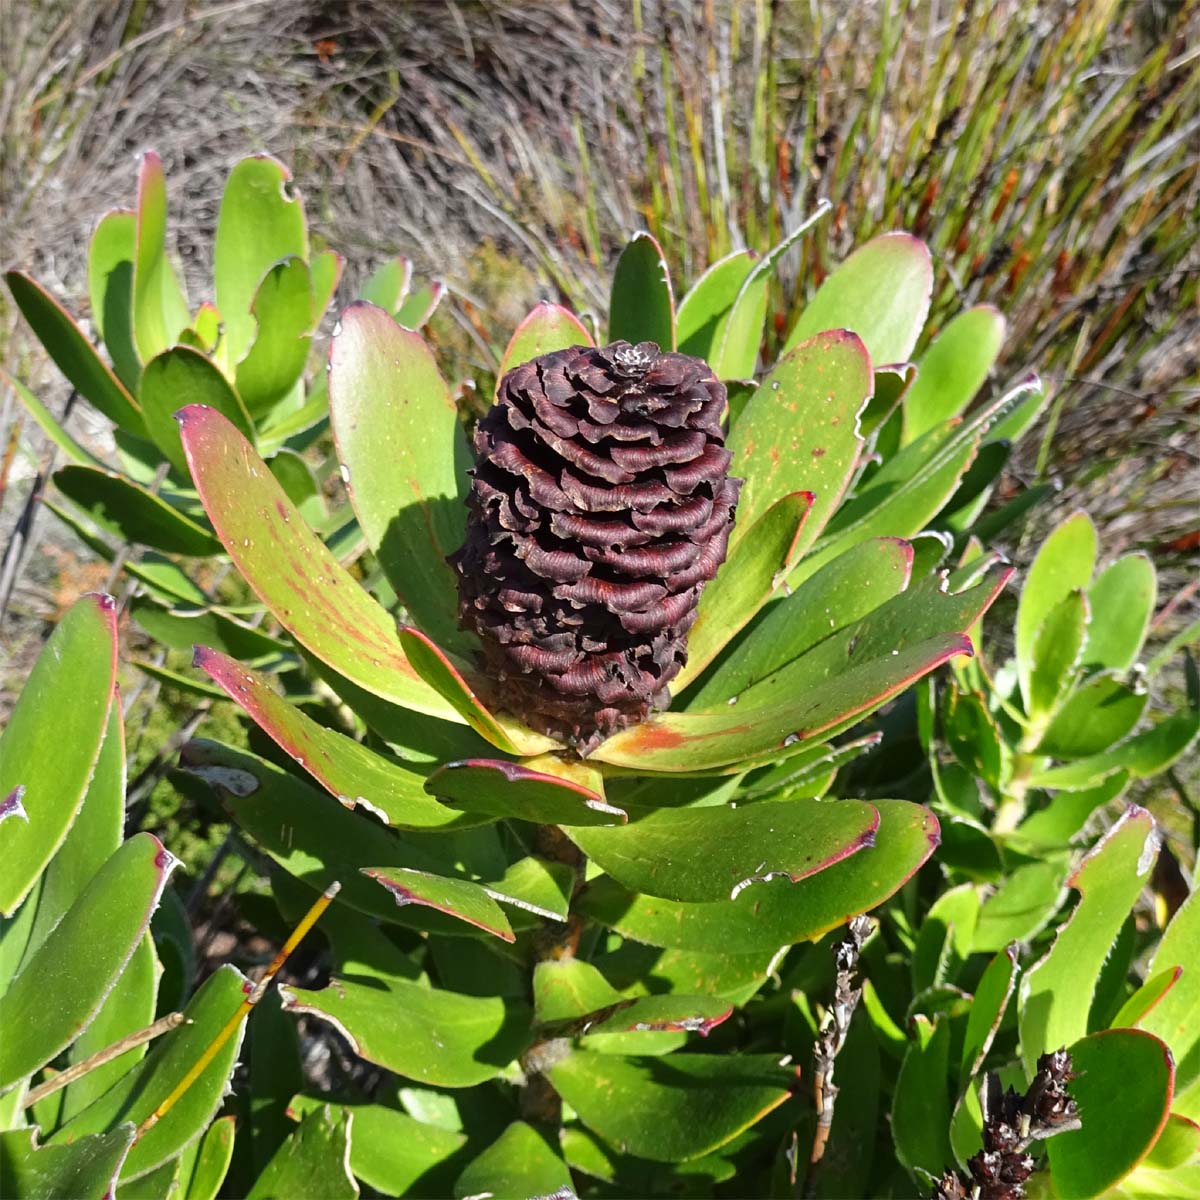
(1011, 809)
(89, 1064)
(832, 1036)
(539, 1102)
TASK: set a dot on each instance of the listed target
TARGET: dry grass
(1048, 151)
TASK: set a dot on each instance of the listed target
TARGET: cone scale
(600, 506)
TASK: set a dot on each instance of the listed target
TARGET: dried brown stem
(89, 1064)
(834, 1029)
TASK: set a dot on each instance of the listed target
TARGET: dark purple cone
(600, 507)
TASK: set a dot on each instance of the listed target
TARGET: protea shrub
(632, 636)
(576, 719)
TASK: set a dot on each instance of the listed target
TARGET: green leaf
(349, 770)
(1122, 602)
(388, 284)
(1063, 564)
(130, 1006)
(456, 898)
(519, 1162)
(160, 312)
(162, 577)
(297, 480)
(704, 312)
(637, 969)
(671, 1109)
(211, 1161)
(111, 254)
(972, 734)
(309, 835)
(821, 692)
(73, 354)
(736, 353)
(899, 499)
(1022, 906)
(844, 590)
(536, 885)
(394, 1153)
(128, 511)
(279, 427)
(992, 994)
(921, 1103)
(313, 597)
(182, 629)
(85, 1170)
(314, 1161)
(567, 989)
(325, 267)
(137, 1094)
(318, 841)
(766, 730)
(944, 940)
(94, 835)
(504, 789)
(966, 1124)
(206, 328)
(881, 292)
(953, 369)
(642, 307)
(1144, 1000)
(1173, 1018)
(1143, 755)
(159, 1184)
(171, 929)
(547, 328)
(434, 666)
(273, 1075)
(1177, 1145)
(974, 489)
(572, 998)
(792, 778)
(639, 1177)
(702, 854)
(879, 419)
(1188, 636)
(416, 311)
(48, 424)
(755, 568)
(403, 451)
(1058, 823)
(778, 912)
(913, 485)
(428, 1034)
(1056, 993)
(1093, 717)
(171, 381)
(63, 984)
(1123, 1086)
(260, 223)
(52, 760)
(800, 431)
(1015, 424)
(283, 310)
(1056, 651)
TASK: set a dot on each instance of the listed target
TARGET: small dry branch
(89, 1064)
(834, 1028)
